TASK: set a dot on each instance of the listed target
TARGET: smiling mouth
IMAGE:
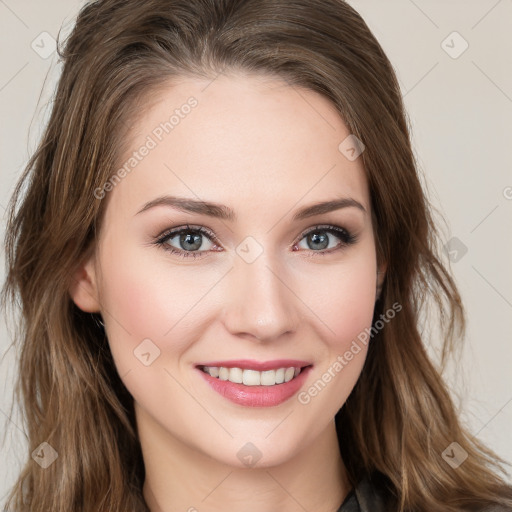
(254, 377)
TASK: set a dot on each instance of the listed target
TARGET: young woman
(221, 249)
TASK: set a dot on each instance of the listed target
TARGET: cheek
(147, 299)
(344, 305)
(354, 312)
(346, 309)
(130, 295)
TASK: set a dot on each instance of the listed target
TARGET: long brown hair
(399, 418)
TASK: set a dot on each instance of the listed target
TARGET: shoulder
(373, 495)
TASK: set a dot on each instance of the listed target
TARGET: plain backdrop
(453, 60)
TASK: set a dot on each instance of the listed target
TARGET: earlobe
(83, 289)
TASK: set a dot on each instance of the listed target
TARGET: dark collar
(365, 497)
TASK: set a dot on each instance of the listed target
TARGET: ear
(83, 288)
(381, 275)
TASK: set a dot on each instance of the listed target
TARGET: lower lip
(256, 396)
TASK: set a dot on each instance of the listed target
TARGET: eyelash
(346, 237)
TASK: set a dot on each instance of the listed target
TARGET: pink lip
(256, 396)
(261, 366)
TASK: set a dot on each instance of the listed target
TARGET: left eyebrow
(224, 212)
(328, 206)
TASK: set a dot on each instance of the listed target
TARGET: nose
(261, 302)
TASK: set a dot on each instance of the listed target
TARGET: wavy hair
(400, 416)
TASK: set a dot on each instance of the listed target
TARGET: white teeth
(288, 374)
(280, 376)
(268, 378)
(235, 375)
(253, 377)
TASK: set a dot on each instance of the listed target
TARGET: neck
(178, 477)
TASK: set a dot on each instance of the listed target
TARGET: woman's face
(260, 288)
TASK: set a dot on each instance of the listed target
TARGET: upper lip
(250, 364)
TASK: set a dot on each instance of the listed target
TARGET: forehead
(248, 141)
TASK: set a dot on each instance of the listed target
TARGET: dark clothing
(365, 497)
(370, 497)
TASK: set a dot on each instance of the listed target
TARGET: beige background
(460, 108)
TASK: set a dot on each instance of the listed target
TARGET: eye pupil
(322, 239)
(196, 243)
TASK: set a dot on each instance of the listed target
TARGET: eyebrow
(223, 212)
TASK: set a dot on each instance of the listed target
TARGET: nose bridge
(261, 304)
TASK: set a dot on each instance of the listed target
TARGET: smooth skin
(265, 150)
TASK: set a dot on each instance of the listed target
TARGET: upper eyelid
(325, 227)
(174, 231)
